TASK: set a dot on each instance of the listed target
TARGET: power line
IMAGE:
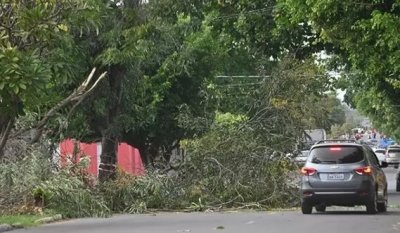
(242, 76)
(270, 76)
(239, 84)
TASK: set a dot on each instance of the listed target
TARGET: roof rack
(336, 140)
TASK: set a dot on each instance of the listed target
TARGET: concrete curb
(54, 218)
(5, 227)
(8, 227)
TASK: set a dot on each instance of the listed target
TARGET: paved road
(335, 220)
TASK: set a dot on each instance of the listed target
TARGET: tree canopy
(38, 54)
(363, 38)
(171, 68)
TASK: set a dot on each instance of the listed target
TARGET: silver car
(381, 154)
(393, 156)
(344, 174)
(301, 158)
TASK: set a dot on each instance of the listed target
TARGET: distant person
(373, 133)
(384, 142)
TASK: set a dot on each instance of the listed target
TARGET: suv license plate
(336, 176)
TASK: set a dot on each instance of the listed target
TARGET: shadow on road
(390, 212)
(393, 193)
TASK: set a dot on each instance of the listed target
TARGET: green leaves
(32, 37)
(366, 36)
(20, 70)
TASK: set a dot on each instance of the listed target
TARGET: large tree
(39, 56)
(365, 39)
(162, 59)
(155, 66)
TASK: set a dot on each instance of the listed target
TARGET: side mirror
(384, 164)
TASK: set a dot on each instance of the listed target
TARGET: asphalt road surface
(335, 220)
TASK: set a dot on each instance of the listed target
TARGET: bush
(229, 166)
(70, 195)
(34, 182)
(233, 168)
(18, 179)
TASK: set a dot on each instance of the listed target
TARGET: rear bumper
(392, 160)
(359, 195)
(337, 198)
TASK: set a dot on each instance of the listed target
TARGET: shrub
(130, 194)
(69, 194)
(34, 182)
(18, 179)
(232, 167)
(229, 166)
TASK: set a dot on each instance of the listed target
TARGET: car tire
(382, 206)
(398, 185)
(372, 205)
(306, 208)
(320, 208)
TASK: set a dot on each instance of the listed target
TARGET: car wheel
(372, 206)
(306, 208)
(320, 208)
(396, 166)
(382, 206)
(398, 185)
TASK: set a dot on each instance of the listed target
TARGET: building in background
(128, 157)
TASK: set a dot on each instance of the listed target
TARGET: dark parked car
(343, 173)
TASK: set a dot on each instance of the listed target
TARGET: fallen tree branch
(78, 96)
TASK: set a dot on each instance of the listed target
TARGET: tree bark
(108, 158)
(144, 155)
(110, 136)
(4, 134)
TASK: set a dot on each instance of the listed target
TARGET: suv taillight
(308, 171)
(364, 170)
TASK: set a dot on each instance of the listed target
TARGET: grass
(21, 220)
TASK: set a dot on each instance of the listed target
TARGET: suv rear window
(336, 155)
(392, 150)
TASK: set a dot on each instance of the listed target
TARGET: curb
(8, 227)
(54, 218)
(5, 227)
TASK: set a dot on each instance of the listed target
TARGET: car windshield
(336, 155)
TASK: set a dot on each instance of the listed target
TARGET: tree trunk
(144, 154)
(108, 158)
(4, 134)
(111, 135)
